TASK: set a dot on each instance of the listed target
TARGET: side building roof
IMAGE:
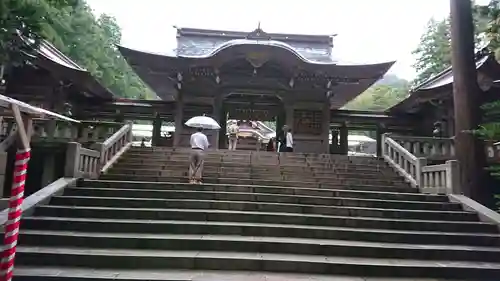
(47, 56)
(441, 85)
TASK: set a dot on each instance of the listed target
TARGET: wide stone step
(336, 169)
(262, 154)
(183, 185)
(243, 181)
(261, 197)
(260, 229)
(306, 172)
(231, 243)
(306, 177)
(279, 190)
(265, 217)
(31, 273)
(154, 203)
(150, 259)
(284, 163)
(79, 274)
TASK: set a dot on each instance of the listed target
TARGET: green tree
(71, 26)
(383, 95)
(29, 18)
(490, 130)
(491, 13)
(433, 54)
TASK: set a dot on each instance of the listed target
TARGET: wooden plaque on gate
(307, 121)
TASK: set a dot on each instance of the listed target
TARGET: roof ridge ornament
(258, 34)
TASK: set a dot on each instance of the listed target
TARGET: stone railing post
(453, 177)
(3, 167)
(421, 162)
(72, 166)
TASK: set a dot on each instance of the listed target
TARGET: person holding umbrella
(199, 143)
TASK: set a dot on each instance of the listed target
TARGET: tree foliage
(71, 26)
(383, 95)
(433, 54)
(29, 18)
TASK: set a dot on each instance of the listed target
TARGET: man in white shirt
(199, 143)
(232, 135)
(289, 140)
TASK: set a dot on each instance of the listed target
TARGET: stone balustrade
(81, 162)
(58, 130)
(439, 149)
(428, 147)
(440, 179)
(435, 179)
(89, 163)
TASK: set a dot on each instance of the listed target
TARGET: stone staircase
(259, 216)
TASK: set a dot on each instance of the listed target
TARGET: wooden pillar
(343, 132)
(3, 170)
(157, 122)
(466, 95)
(280, 119)
(289, 109)
(179, 117)
(325, 128)
(379, 132)
(223, 141)
(217, 115)
(49, 166)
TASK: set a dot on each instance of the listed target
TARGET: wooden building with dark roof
(52, 80)
(255, 76)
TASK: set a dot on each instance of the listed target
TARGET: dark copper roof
(322, 39)
(202, 42)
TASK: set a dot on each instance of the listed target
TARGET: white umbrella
(204, 122)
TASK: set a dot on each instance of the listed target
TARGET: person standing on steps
(270, 145)
(199, 143)
(288, 140)
(281, 139)
(232, 134)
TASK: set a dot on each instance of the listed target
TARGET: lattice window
(308, 121)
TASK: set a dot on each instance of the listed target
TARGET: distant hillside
(393, 80)
(387, 92)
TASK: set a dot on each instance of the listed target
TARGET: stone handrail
(90, 163)
(429, 179)
(112, 148)
(49, 129)
(434, 148)
(405, 163)
(440, 179)
(440, 149)
(81, 162)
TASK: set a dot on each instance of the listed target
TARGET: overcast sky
(369, 31)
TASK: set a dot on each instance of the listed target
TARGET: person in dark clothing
(281, 137)
(270, 145)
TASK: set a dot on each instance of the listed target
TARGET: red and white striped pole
(15, 212)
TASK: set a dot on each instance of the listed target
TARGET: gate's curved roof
(257, 48)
